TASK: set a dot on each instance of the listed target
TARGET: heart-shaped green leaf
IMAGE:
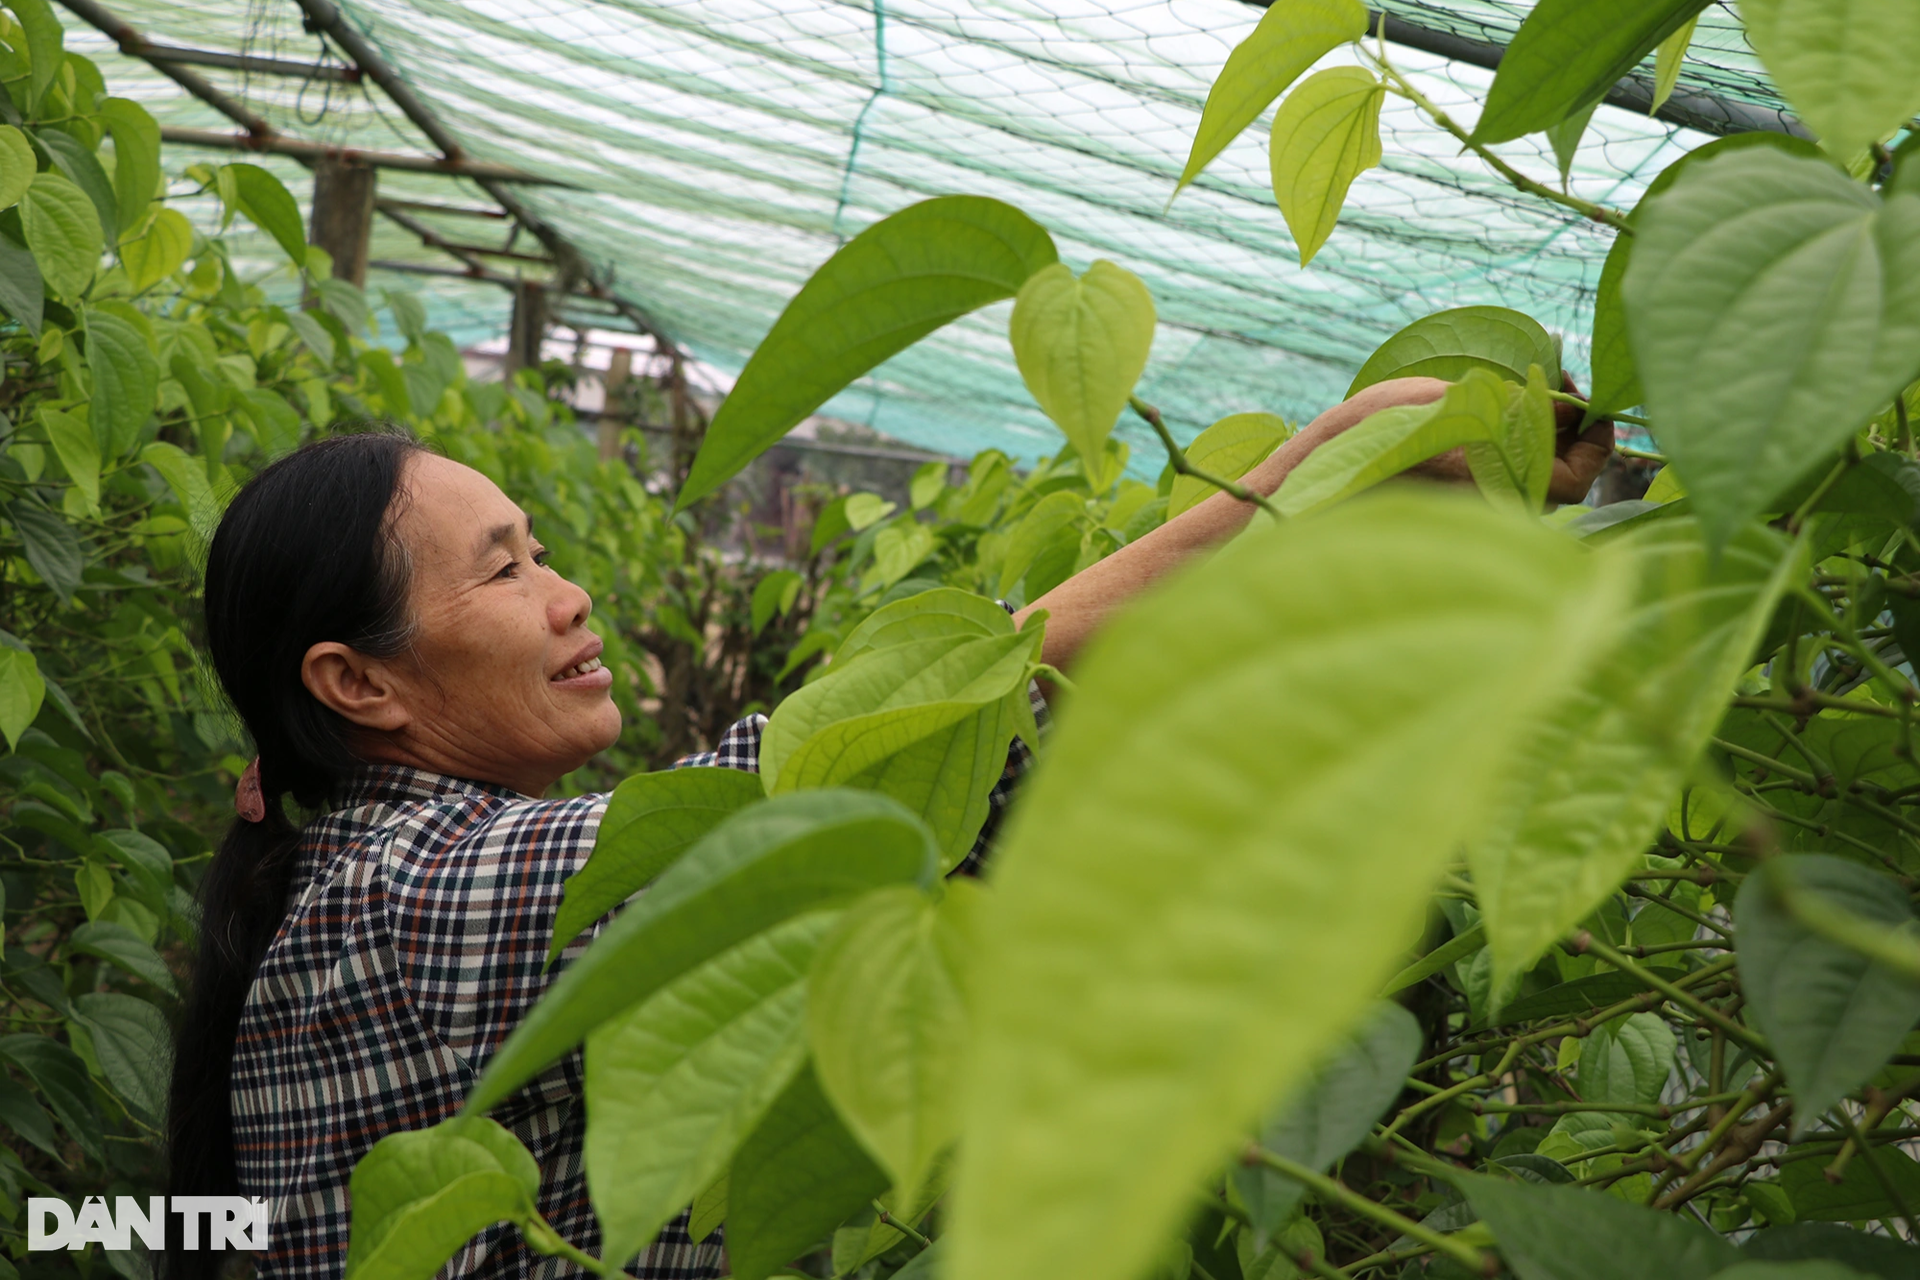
(1081, 344)
(1847, 69)
(1447, 344)
(1773, 306)
(63, 231)
(1326, 134)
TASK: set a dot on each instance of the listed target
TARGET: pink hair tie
(248, 801)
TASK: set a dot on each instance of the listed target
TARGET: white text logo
(233, 1222)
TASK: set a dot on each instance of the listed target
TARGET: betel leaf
(314, 335)
(1616, 384)
(1570, 1233)
(888, 1027)
(1228, 449)
(23, 293)
(1567, 54)
(1773, 306)
(1859, 1194)
(133, 1043)
(862, 711)
(888, 287)
(1081, 343)
(800, 1175)
(1668, 60)
(708, 1211)
(1326, 134)
(765, 864)
(45, 44)
(1591, 782)
(1811, 1269)
(270, 207)
(1134, 1012)
(136, 159)
(76, 159)
(1832, 1015)
(651, 819)
(22, 689)
(17, 165)
(1291, 36)
(63, 232)
(926, 616)
(74, 443)
(1449, 344)
(774, 594)
(52, 548)
(26, 1117)
(1846, 69)
(159, 251)
(418, 1197)
(1331, 1113)
(1565, 140)
(1388, 442)
(126, 381)
(1873, 1255)
(1516, 465)
(63, 1081)
(1045, 522)
(676, 1083)
(125, 949)
(1627, 1060)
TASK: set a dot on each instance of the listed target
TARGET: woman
(414, 675)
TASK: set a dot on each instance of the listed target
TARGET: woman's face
(503, 682)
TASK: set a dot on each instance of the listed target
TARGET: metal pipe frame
(300, 149)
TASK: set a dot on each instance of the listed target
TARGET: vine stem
(1692, 1003)
(1337, 1192)
(1177, 459)
(1585, 208)
(1565, 397)
(542, 1238)
(887, 1219)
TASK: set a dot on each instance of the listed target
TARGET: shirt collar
(394, 784)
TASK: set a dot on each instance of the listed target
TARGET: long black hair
(304, 554)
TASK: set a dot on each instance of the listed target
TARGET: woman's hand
(1578, 456)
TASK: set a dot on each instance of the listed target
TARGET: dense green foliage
(1419, 887)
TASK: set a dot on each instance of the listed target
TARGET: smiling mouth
(578, 669)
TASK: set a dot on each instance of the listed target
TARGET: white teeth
(580, 669)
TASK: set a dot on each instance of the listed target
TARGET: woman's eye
(509, 570)
(540, 557)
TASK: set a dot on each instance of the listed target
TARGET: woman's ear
(358, 687)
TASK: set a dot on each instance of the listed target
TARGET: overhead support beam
(1703, 112)
(280, 144)
(245, 63)
(325, 17)
(441, 210)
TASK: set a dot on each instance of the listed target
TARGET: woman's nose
(570, 606)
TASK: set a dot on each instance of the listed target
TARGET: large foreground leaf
(1832, 1015)
(1390, 441)
(1185, 919)
(887, 1025)
(1449, 344)
(800, 1175)
(1594, 779)
(888, 287)
(1330, 1117)
(1846, 68)
(651, 819)
(417, 1197)
(1568, 1233)
(1567, 54)
(678, 1082)
(1773, 306)
(766, 864)
(1292, 35)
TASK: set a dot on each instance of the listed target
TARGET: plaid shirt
(414, 943)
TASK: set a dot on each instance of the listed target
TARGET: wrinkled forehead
(451, 514)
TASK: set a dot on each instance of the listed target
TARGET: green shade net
(718, 151)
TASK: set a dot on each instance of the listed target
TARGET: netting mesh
(717, 151)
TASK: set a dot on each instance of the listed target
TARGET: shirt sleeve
(738, 748)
